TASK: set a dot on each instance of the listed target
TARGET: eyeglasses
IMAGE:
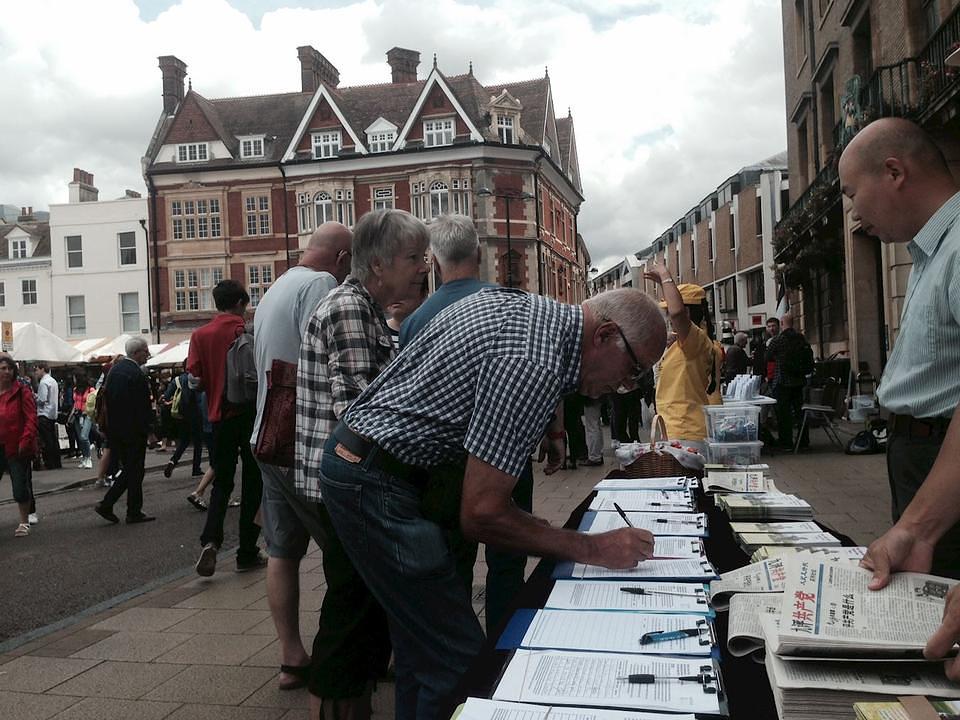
(638, 368)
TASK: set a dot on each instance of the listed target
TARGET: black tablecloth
(745, 681)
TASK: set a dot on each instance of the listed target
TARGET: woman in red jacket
(18, 437)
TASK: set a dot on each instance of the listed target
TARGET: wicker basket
(654, 463)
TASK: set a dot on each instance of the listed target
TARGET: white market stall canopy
(115, 346)
(175, 355)
(34, 343)
(85, 346)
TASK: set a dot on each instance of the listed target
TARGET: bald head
(896, 138)
(328, 250)
(786, 321)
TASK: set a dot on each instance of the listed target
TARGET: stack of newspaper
(737, 481)
(807, 534)
(765, 506)
(767, 552)
(897, 710)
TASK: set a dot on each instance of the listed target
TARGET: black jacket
(129, 414)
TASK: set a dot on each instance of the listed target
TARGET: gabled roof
(333, 100)
(564, 126)
(213, 117)
(534, 96)
(463, 105)
(39, 232)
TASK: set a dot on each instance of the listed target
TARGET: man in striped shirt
(477, 386)
(901, 190)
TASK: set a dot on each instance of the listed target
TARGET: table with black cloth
(744, 680)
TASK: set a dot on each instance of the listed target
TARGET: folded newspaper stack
(896, 710)
(765, 506)
(802, 538)
(737, 481)
(766, 552)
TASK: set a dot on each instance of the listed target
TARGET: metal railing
(936, 79)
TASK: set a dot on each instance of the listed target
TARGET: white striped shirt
(921, 378)
(484, 377)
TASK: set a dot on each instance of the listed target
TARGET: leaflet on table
(805, 526)
(829, 612)
(643, 500)
(853, 554)
(894, 710)
(480, 709)
(683, 598)
(764, 577)
(750, 541)
(599, 631)
(675, 570)
(579, 678)
(744, 632)
(677, 524)
(665, 483)
(736, 481)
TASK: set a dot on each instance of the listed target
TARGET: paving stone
(38, 674)
(112, 709)
(221, 712)
(170, 598)
(66, 646)
(271, 696)
(216, 649)
(29, 706)
(213, 685)
(308, 626)
(221, 622)
(144, 619)
(218, 597)
(112, 679)
(134, 646)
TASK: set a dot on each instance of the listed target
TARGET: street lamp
(506, 196)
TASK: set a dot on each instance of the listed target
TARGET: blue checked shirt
(484, 377)
(346, 345)
(921, 377)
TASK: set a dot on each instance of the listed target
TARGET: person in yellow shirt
(689, 366)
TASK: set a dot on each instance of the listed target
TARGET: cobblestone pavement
(206, 648)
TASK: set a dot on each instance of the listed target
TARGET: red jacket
(207, 359)
(18, 422)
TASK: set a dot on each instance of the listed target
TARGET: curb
(77, 484)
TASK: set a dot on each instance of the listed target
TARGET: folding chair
(824, 415)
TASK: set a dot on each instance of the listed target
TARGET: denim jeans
(81, 426)
(405, 561)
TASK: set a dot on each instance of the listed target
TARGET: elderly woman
(18, 437)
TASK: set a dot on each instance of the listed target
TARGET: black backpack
(240, 380)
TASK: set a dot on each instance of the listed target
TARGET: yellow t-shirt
(682, 389)
(716, 397)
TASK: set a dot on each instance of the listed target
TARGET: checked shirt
(484, 377)
(346, 345)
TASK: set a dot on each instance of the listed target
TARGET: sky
(669, 98)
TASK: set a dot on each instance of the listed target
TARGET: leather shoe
(141, 518)
(106, 513)
(168, 469)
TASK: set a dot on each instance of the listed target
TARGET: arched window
(323, 205)
(439, 199)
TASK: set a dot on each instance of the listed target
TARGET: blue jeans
(406, 563)
(81, 425)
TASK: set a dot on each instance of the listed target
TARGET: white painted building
(99, 281)
(25, 270)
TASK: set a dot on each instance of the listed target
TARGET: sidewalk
(206, 649)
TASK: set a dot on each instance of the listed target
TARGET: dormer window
(381, 141)
(192, 152)
(438, 132)
(505, 129)
(326, 144)
(18, 249)
(251, 147)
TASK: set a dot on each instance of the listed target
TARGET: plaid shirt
(483, 377)
(346, 345)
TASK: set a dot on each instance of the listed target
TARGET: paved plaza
(207, 649)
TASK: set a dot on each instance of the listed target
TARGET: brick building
(725, 244)
(236, 185)
(847, 62)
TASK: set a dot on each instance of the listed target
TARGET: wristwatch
(667, 280)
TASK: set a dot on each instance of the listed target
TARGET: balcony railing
(938, 80)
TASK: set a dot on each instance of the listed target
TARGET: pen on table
(623, 515)
(678, 522)
(650, 678)
(666, 635)
(644, 591)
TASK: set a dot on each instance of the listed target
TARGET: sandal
(23, 529)
(300, 674)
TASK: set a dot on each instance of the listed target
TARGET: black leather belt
(365, 448)
(918, 427)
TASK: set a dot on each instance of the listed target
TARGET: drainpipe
(536, 195)
(286, 229)
(156, 252)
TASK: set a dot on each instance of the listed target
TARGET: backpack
(176, 411)
(240, 383)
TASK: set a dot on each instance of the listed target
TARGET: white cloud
(669, 98)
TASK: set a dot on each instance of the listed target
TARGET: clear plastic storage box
(734, 453)
(736, 424)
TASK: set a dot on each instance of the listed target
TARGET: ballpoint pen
(644, 591)
(678, 522)
(665, 635)
(622, 515)
(650, 678)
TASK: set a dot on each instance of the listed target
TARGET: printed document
(691, 570)
(776, 527)
(478, 709)
(643, 500)
(678, 524)
(763, 577)
(658, 597)
(743, 481)
(666, 483)
(745, 633)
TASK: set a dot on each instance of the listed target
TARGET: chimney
(174, 70)
(81, 188)
(315, 69)
(131, 194)
(26, 214)
(403, 64)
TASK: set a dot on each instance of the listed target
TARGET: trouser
(789, 411)
(909, 461)
(81, 426)
(591, 425)
(576, 439)
(405, 561)
(189, 435)
(625, 417)
(49, 443)
(232, 443)
(130, 454)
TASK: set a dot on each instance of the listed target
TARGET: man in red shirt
(232, 427)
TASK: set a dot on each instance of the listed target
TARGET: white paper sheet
(745, 633)
(739, 481)
(478, 709)
(677, 524)
(576, 678)
(649, 570)
(643, 500)
(596, 630)
(583, 595)
(763, 577)
(666, 483)
(805, 526)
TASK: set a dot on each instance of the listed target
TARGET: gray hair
(740, 339)
(381, 234)
(134, 344)
(453, 239)
(635, 312)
